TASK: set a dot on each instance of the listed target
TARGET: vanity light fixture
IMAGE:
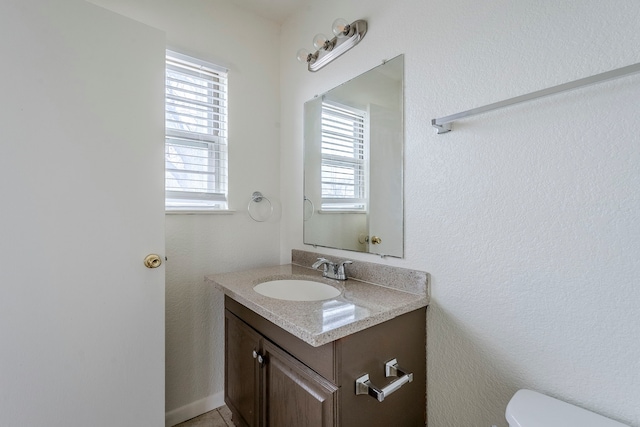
(346, 36)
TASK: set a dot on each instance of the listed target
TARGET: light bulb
(303, 55)
(320, 41)
(340, 27)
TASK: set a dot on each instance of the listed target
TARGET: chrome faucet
(331, 270)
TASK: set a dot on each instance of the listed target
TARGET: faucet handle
(320, 262)
(340, 272)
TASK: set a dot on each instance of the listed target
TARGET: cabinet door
(293, 394)
(241, 382)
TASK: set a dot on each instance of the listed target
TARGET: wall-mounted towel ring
(313, 208)
(257, 197)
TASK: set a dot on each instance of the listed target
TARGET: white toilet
(531, 409)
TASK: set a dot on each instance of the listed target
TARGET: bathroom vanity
(356, 360)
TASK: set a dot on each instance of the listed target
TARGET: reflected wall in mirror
(353, 164)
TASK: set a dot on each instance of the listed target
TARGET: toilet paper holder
(391, 369)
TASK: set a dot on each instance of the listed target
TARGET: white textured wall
(197, 245)
(528, 218)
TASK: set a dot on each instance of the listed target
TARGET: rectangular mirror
(353, 164)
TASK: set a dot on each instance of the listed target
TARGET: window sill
(199, 212)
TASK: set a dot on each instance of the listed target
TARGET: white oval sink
(296, 290)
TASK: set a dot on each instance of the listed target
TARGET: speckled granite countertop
(360, 304)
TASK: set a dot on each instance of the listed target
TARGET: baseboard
(194, 409)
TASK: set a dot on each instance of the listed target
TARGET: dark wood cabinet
(295, 395)
(274, 379)
(265, 386)
(242, 373)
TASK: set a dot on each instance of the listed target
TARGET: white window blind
(196, 134)
(343, 158)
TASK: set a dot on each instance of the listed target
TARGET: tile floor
(220, 417)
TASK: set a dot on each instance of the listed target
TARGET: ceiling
(274, 10)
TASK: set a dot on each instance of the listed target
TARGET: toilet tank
(531, 409)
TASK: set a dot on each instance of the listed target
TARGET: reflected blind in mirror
(343, 166)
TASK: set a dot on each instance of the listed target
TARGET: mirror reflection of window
(344, 158)
(336, 314)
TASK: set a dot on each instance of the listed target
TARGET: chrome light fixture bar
(346, 36)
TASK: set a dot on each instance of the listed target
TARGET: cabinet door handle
(259, 357)
(391, 369)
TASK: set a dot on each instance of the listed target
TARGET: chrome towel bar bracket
(391, 369)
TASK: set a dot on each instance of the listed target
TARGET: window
(196, 134)
(343, 158)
